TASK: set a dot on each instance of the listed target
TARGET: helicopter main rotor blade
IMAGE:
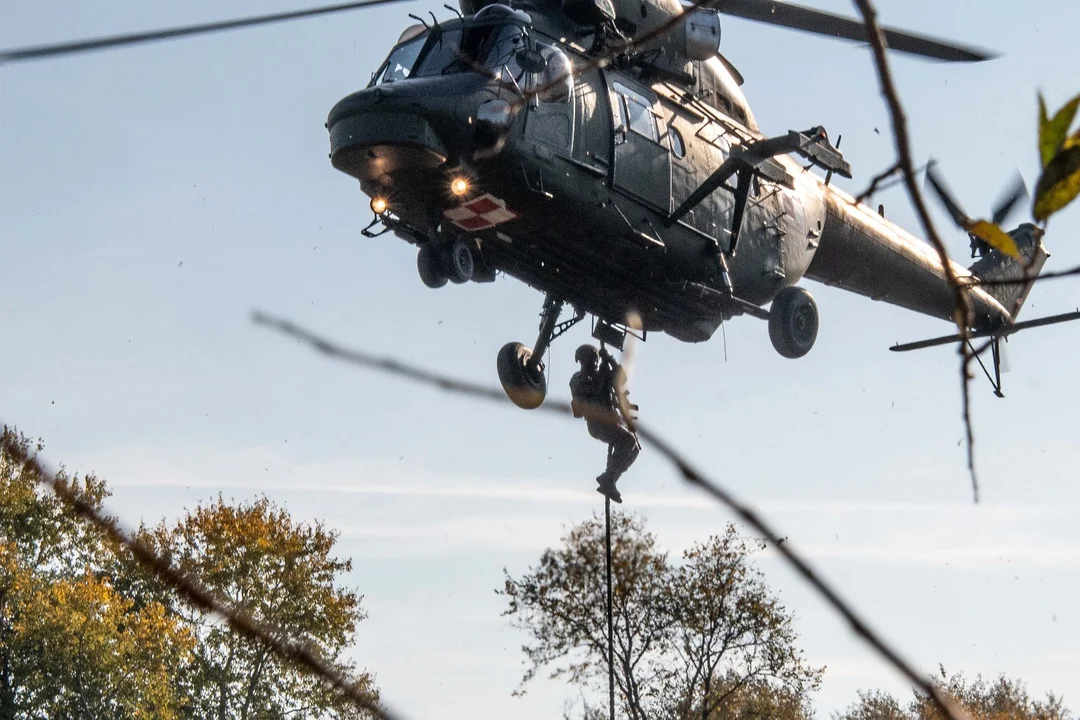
(81, 46)
(946, 197)
(819, 22)
(1015, 194)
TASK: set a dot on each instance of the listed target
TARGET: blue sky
(151, 198)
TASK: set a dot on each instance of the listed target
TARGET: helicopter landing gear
(522, 379)
(458, 262)
(437, 265)
(429, 265)
(793, 322)
(521, 370)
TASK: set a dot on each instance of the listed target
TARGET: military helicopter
(602, 152)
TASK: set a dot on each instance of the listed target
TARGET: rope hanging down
(610, 633)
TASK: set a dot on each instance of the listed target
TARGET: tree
(1002, 699)
(70, 645)
(702, 640)
(733, 639)
(284, 574)
(85, 632)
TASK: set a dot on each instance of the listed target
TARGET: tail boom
(864, 253)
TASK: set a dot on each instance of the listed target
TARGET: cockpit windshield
(402, 58)
(477, 48)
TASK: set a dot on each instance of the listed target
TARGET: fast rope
(610, 633)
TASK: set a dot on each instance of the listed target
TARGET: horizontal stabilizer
(999, 333)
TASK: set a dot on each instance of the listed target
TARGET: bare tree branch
(875, 184)
(907, 167)
(688, 472)
(1072, 272)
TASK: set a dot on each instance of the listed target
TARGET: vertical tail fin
(996, 267)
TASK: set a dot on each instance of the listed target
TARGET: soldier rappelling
(595, 390)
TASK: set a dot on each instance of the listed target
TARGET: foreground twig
(689, 473)
(280, 642)
(875, 183)
(1072, 272)
(907, 167)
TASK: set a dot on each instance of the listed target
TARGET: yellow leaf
(1060, 181)
(995, 236)
(1072, 141)
(1052, 132)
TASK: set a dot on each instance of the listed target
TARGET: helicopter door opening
(642, 163)
(551, 114)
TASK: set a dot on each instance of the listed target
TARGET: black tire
(429, 265)
(459, 262)
(793, 322)
(526, 387)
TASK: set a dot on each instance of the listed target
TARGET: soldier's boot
(606, 483)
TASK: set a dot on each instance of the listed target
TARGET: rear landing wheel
(460, 264)
(430, 267)
(523, 382)
(793, 322)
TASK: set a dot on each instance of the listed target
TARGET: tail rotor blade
(946, 197)
(1016, 193)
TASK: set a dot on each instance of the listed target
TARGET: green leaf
(998, 238)
(1052, 132)
(1060, 181)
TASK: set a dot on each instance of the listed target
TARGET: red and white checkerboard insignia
(484, 212)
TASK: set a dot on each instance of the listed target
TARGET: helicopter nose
(381, 132)
(413, 124)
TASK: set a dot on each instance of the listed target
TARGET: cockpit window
(557, 81)
(476, 48)
(502, 56)
(470, 49)
(402, 58)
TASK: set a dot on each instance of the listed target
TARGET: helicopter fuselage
(566, 180)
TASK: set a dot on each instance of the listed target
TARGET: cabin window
(678, 147)
(637, 113)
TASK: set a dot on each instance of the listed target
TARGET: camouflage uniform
(594, 386)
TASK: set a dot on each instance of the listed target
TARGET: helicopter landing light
(378, 205)
(459, 186)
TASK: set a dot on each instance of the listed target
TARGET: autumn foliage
(703, 638)
(85, 633)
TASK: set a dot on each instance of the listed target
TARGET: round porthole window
(678, 147)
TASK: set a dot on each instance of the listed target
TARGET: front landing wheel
(523, 383)
(429, 265)
(793, 322)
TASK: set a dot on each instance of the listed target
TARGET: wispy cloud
(465, 514)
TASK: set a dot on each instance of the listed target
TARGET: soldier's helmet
(587, 355)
